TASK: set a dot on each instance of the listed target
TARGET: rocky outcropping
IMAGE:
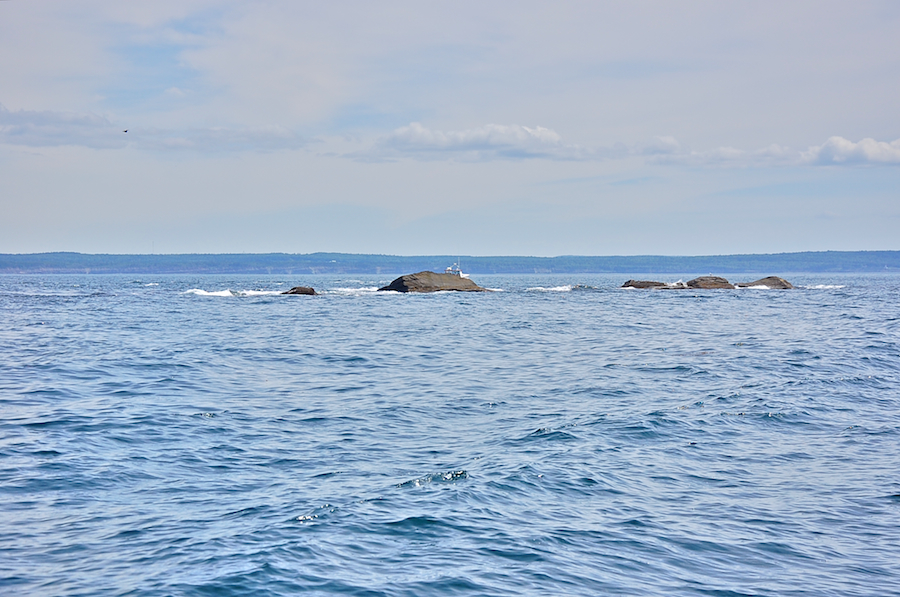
(769, 282)
(644, 284)
(300, 290)
(709, 282)
(432, 282)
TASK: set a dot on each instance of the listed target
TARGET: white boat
(455, 270)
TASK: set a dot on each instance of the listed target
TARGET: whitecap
(352, 291)
(201, 292)
(445, 477)
(257, 292)
(824, 287)
(229, 292)
(566, 288)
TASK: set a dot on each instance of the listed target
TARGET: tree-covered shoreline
(347, 263)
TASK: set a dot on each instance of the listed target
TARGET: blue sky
(524, 128)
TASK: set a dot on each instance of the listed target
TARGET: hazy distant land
(345, 263)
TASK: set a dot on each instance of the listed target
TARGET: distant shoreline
(348, 263)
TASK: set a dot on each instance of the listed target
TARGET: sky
(471, 128)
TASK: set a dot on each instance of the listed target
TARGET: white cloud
(495, 141)
(492, 141)
(33, 128)
(53, 129)
(490, 136)
(45, 128)
(661, 146)
(838, 150)
(726, 156)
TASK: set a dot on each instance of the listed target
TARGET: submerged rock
(300, 290)
(433, 282)
(709, 282)
(652, 284)
(643, 284)
(769, 282)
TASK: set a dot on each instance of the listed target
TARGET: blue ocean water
(202, 435)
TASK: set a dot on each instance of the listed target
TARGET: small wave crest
(317, 513)
(231, 293)
(823, 287)
(445, 477)
(566, 288)
(201, 292)
(352, 291)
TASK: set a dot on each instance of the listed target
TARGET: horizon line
(451, 254)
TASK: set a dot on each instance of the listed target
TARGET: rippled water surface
(189, 435)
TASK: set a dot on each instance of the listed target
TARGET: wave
(813, 287)
(444, 477)
(566, 288)
(231, 293)
(352, 291)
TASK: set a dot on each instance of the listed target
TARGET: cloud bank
(55, 129)
(45, 128)
(513, 141)
(838, 150)
(492, 141)
(415, 141)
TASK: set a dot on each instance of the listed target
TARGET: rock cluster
(300, 290)
(709, 282)
(768, 282)
(433, 282)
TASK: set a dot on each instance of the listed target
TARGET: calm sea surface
(200, 435)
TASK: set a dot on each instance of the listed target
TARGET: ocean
(203, 435)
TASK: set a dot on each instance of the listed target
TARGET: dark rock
(657, 285)
(300, 290)
(643, 284)
(769, 282)
(432, 282)
(709, 282)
